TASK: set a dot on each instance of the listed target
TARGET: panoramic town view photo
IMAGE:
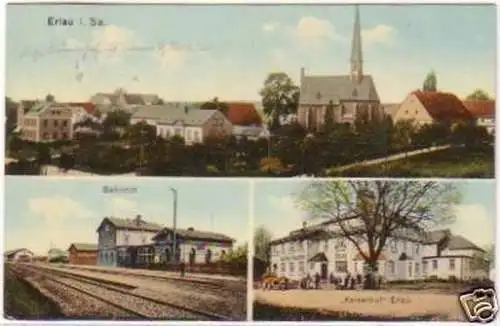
(326, 90)
(130, 250)
(378, 250)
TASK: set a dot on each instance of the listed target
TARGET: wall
(133, 237)
(191, 134)
(30, 128)
(82, 257)
(217, 125)
(411, 108)
(55, 124)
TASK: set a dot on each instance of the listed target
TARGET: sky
(195, 53)
(62, 211)
(275, 209)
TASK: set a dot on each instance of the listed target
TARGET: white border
(252, 181)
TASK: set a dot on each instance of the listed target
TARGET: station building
(21, 254)
(136, 242)
(322, 249)
(82, 254)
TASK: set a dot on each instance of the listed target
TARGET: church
(348, 96)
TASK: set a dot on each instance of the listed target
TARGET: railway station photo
(91, 249)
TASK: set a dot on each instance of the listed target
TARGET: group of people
(349, 281)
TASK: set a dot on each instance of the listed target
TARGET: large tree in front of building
(478, 94)
(261, 239)
(369, 213)
(280, 97)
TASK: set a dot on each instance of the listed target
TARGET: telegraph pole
(174, 225)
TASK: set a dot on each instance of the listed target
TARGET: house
(352, 96)
(46, 121)
(23, 107)
(121, 97)
(322, 249)
(243, 114)
(432, 107)
(18, 255)
(115, 233)
(193, 124)
(483, 112)
(193, 246)
(250, 132)
(82, 254)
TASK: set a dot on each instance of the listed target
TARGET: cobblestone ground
(371, 303)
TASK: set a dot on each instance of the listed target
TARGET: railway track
(122, 297)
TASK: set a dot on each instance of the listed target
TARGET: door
(324, 271)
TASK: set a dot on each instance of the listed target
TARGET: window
(145, 255)
(56, 123)
(125, 239)
(282, 267)
(424, 267)
(64, 135)
(341, 267)
(394, 246)
(434, 264)
(452, 264)
(45, 135)
(65, 123)
(291, 267)
(417, 269)
(301, 267)
(340, 245)
(54, 135)
(392, 267)
(178, 131)
(410, 269)
(188, 134)
(45, 123)
(355, 266)
(417, 249)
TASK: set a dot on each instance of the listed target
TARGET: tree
(43, 155)
(478, 94)
(216, 105)
(368, 213)
(484, 261)
(50, 98)
(261, 239)
(280, 97)
(10, 113)
(116, 119)
(329, 118)
(430, 83)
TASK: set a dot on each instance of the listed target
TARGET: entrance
(324, 271)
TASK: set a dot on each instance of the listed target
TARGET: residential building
(82, 111)
(193, 246)
(21, 255)
(82, 254)
(23, 107)
(322, 249)
(114, 233)
(483, 112)
(432, 107)
(250, 132)
(121, 97)
(193, 124)
(46, 121)
(243, 114)
(352, 96)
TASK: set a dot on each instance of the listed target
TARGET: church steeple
(357, 52)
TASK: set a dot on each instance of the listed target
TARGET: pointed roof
(357, 51)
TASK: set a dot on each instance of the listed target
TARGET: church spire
(357, 52)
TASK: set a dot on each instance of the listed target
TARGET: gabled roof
(84, 246)
(168, 115)
(131, 224)
(195, 235)
(319, 257)
(457, 242)
(319, 90)
(243, 114)
(480, 108)
(443, 106)
(87, 106)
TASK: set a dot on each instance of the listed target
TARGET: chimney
(186, 109)
(190, 229)
(138, 219)
(302, 74)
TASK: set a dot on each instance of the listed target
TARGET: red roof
(243, 114)
(88, 106)
(443, 106)
(480, 108)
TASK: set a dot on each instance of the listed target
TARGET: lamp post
(174, 226)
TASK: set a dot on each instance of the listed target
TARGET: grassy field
(22, 301)
(449, 163)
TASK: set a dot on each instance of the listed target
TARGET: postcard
(378, 250)
(280, 91)
(131, 250)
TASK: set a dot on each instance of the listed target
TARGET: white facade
(401, 259)
(487, 122)
(191, 134)
(126, 237)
